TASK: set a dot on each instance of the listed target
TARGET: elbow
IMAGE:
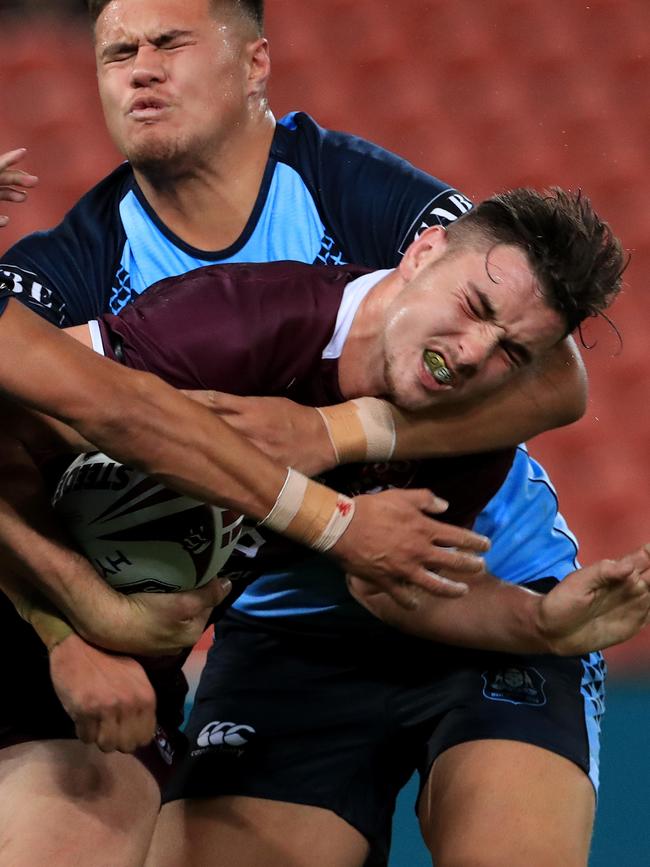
(576, 394)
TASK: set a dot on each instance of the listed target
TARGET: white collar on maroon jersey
(353, 295)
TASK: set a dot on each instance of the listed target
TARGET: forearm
(547, 396)
(49, 625)
(35, 552)
(135, 417)
(494, 616)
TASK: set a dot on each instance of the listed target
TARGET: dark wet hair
(574, 254)
(253, 9)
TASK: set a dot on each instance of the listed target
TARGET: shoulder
(64, 273)
(92, 215)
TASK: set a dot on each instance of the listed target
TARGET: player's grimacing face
(478, 314)
(172, 78)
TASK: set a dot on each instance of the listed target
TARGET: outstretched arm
(141, 421)
(541, 397)
(592, 608)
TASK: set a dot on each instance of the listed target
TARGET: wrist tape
(309, 512)
(360, 430)
(50, 628)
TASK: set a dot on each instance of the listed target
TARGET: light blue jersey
(530, 540)
(325, 197)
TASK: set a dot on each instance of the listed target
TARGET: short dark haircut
(253, 9)
(574, 254)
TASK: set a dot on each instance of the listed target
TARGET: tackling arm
(544, 396)
(143, 422)
(591, 609)
(370, 429)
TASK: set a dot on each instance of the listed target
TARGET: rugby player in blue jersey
(211, 178)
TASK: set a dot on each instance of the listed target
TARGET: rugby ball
(140, 535)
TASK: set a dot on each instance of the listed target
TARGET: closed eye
(517, 354)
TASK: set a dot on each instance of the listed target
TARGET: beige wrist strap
(50, 628)
(360, 430)
(309, 512)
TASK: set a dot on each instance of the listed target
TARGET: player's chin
(151, 150)
(415, 399)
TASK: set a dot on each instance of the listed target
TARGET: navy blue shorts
(343, 722)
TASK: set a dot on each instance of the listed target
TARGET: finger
(17, 178)
(438, 585)
(11, 158)
(188, 604)
(614, 571)
(214, 592)
(426, 501)
(87, 729)
(640, 558)
(404, 594)
(449, 559)
(460, 538)
(7, 194)
(108, 735)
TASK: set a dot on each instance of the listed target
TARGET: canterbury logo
(217, 733)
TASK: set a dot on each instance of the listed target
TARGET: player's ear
(427, 247)
(259, 66)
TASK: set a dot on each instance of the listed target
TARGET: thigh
(63, 802)
(512, 766)
(489, 803)
(234, 831)
(292, 723)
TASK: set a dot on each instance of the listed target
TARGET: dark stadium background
(487, 94)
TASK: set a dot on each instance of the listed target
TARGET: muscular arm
(542, 397)
(133, 416)
(145, 423)
(591, 609)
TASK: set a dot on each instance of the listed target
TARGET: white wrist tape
(360, 430)
(309, 512)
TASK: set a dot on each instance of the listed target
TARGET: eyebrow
(512, 346)
(159, 41)
(486, 303)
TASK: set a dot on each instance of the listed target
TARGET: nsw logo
(514, 685)
(229, 734)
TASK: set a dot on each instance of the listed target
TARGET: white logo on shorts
(231, 734)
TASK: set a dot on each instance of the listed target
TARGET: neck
(362, 362)
(208, 205)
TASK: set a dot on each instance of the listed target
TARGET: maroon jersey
(261, 330)
(244, 329)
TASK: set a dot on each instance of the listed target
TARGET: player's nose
(475, 350)
(148, 67)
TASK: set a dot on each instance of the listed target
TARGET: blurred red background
(484, 95)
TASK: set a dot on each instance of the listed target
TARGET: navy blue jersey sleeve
(65, 274)
(375, 202)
